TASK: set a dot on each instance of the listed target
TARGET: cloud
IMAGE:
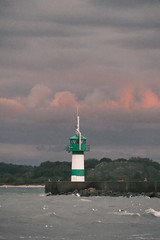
(129, 98)
(30, 154)
(139, 98)
(101, 55)
(41, 104)
(124, 4)
(149, 99)
(140, 40)
(10, 107)
(39, 96)
(64, 99)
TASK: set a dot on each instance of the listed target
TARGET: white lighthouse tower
(77, 147)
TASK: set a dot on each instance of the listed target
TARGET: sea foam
(152, 212)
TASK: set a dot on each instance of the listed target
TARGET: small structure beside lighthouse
(77, 147)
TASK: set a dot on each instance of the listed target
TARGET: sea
(27, 213)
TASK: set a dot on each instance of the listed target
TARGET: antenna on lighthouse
(77, 121)
(77, 129)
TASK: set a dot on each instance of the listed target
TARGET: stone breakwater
(128, 189)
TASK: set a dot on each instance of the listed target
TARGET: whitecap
(153, 212)
(52, 214)
(77, 194)
(126, 213)
(45, 207)
(42, 195)
(94, 209)
(98, 221)
(147, 197)
(130, 214)
(85, 200)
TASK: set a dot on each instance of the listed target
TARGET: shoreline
(21, 186)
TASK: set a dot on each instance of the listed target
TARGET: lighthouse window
(74, 141)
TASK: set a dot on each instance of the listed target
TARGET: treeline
(105, 169)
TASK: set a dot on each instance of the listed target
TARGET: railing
(87, 148)
(68, 148)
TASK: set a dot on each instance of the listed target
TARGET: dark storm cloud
(5, 4)
(124, 4)
(108, 19)
(52, 32)
(122, 15)
(141, 41)
(50, 148)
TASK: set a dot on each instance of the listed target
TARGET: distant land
(105, 169)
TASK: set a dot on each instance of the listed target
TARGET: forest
(105, 169)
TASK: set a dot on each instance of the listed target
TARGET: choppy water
(27, 213)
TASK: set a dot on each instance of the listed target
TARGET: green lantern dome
(76, 146)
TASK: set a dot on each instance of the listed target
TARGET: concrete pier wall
(62, 187)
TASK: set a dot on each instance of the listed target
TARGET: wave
(153, 212)
(85, 200)
(126, 213)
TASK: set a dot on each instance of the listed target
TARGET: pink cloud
(64, 99)
(127, 98)
(40, 105)
(39, 96)
(10, 107)
(149, 99)
(130, 98)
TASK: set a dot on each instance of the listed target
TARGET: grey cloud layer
(90, 48)
(51, 33)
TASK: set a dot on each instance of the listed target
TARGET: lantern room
(76, 145)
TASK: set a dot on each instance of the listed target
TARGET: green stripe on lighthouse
(77, 152)
(77, 172)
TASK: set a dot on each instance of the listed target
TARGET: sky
(100, 55)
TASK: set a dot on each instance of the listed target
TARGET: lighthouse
(77, 147)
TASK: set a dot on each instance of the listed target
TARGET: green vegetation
(105, 169)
